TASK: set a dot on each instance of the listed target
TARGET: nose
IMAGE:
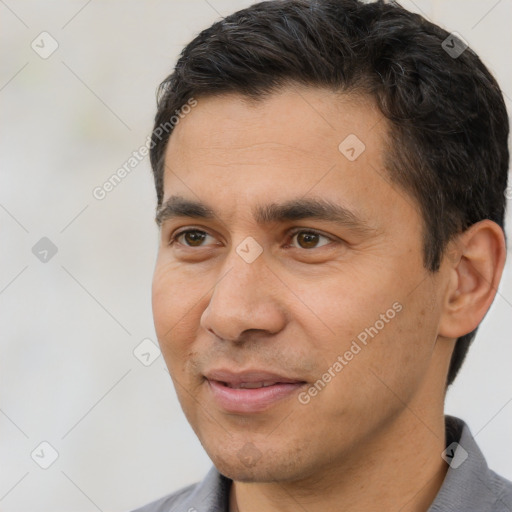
(245, 299)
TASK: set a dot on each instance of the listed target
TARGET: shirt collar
(469, 484)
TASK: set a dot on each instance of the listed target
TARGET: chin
(239, 466)
(248, 465)
(241, 473)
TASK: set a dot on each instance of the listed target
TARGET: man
(330, 180)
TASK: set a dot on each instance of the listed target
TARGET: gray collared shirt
(469, 485)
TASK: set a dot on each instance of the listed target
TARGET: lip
(249, 400)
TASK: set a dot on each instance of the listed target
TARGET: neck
(402, 470)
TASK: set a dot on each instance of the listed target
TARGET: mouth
(251, 385)
(250, 391)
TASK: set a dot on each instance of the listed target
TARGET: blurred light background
(70, 321)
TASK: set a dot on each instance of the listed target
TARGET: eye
(309, 239)
(190, 237)
(305, 238)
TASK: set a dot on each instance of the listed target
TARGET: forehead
(302, 119)
(233, 151)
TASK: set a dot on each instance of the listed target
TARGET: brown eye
(309, 239)
(190, 238)
(194, 238)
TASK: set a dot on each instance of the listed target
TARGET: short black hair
(448, 133)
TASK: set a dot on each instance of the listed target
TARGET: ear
(475, 263)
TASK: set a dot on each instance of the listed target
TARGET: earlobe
(475, 264)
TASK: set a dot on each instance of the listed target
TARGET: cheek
(174, 309)
(345, 307)
(175, 294)
(163, 302)
(381, 333)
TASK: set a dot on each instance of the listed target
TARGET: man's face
(339, 313)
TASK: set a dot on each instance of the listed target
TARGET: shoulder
(481, 477)
(501, 488)
(469, 484)
(211, 494)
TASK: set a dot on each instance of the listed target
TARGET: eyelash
(291, 235)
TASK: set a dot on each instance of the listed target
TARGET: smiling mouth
(250, 385)
(250, 392)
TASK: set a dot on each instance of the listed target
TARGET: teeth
(254, 385)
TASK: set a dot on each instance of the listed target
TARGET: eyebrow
(291, 210)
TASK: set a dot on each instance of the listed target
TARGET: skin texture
(375, 432)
